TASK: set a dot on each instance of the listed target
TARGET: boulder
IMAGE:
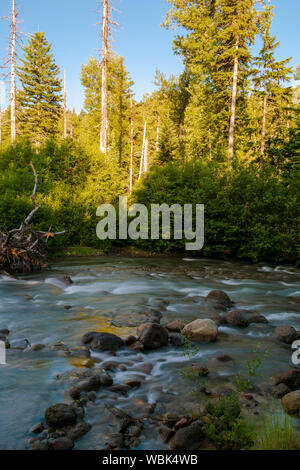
(291, 403)
(286, 334)
(278, 391)
(37, 428)
(152, 335)
(237, 318)
(102, 341)
(80, 430)
(188, 438)
(291, 379)
(63, 443)
(60, 415)
(92, 384)
(175, 326)
(219, 299)
(203, 331)
(256, 318)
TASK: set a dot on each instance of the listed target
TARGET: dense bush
(249, 214)
(71, 186)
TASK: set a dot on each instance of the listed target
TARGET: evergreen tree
(269, 76)
(40, 98)
(216, 50)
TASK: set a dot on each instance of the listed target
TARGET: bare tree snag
(24, 249)
(143, 151)
(131, 148)
(146, 156)
(234, 99)
(104, 91)
(263, 134)
(157, 134)
(13, 72)
(65, 106)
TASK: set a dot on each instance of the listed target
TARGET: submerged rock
(188, 438)
(80, 430)
(60, 415)
(102, 341)
(219, 299)
(152, 335)
(286, 334)
(65, 280)
(238, 318)
(291, 379)
(202, 331)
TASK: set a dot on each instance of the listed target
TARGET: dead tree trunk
(131, 147)
(234, 99)
(157, 134)
(24, 249)
(263, 133)
(13, 73)
(146, 157)
(65, 106)
(104, 91)
(143, 151)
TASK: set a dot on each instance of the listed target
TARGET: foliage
(249, 214)
(227, 429)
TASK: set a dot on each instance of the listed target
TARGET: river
(111, 294)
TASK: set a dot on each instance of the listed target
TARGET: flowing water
(111, 295)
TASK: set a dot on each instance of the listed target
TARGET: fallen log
(24, 250)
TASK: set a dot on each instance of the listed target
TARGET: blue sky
(71, 26)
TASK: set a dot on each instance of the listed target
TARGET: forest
(225, 133)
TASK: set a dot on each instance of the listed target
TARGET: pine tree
(40, 98)
(269, 74)
(216, 50)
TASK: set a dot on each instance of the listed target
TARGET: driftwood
(24, 250)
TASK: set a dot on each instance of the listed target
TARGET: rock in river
(188, 438)
(152, 335)
(102, 341)
(63, 443)
(202, 331)
(219, 299)
(237, 318)
(291, 379)
(60, 415)
(286, 334)
(291, 403)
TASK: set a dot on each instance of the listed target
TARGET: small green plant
(190, 350)
(253, 365)
(241, 383)
(226, 428)
(279, 434)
